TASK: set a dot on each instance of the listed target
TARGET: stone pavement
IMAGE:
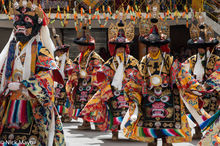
(75, 137)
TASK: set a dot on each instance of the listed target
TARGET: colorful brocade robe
(109, 105)
(28, 115)
(211, 128)
(161, 109)
(212, 69)
(81, 89)
(61, 101)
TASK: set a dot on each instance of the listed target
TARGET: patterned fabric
(211, 136)
(11, 54)
(206, 124)
(161, 110)
(214, 80)
(22, 117)
(80, 90)
(211, 78)
(34, 123)
(61, 101)
(108, 106)
(45, 60)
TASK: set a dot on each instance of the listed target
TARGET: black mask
(24, 22)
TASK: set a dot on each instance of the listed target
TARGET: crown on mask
(26, 7)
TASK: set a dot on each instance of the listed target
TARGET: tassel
(127, 9)
(161, 18)
(49, 14)
(57, 15)
(90, 11)
(19, 112)
(75, 16)
(81, 12)
(110, 10)
(93, 17)
(183, 14)
(60, 16)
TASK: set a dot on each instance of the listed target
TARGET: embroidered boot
(153, 143)
(97, 128)
(167, 144)
(114, 135)
(164, 142)
(85, 126)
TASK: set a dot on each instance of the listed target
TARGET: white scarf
(17, 64)
(27, 62)
(62, 58)
(119, 74)
(199, 69)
